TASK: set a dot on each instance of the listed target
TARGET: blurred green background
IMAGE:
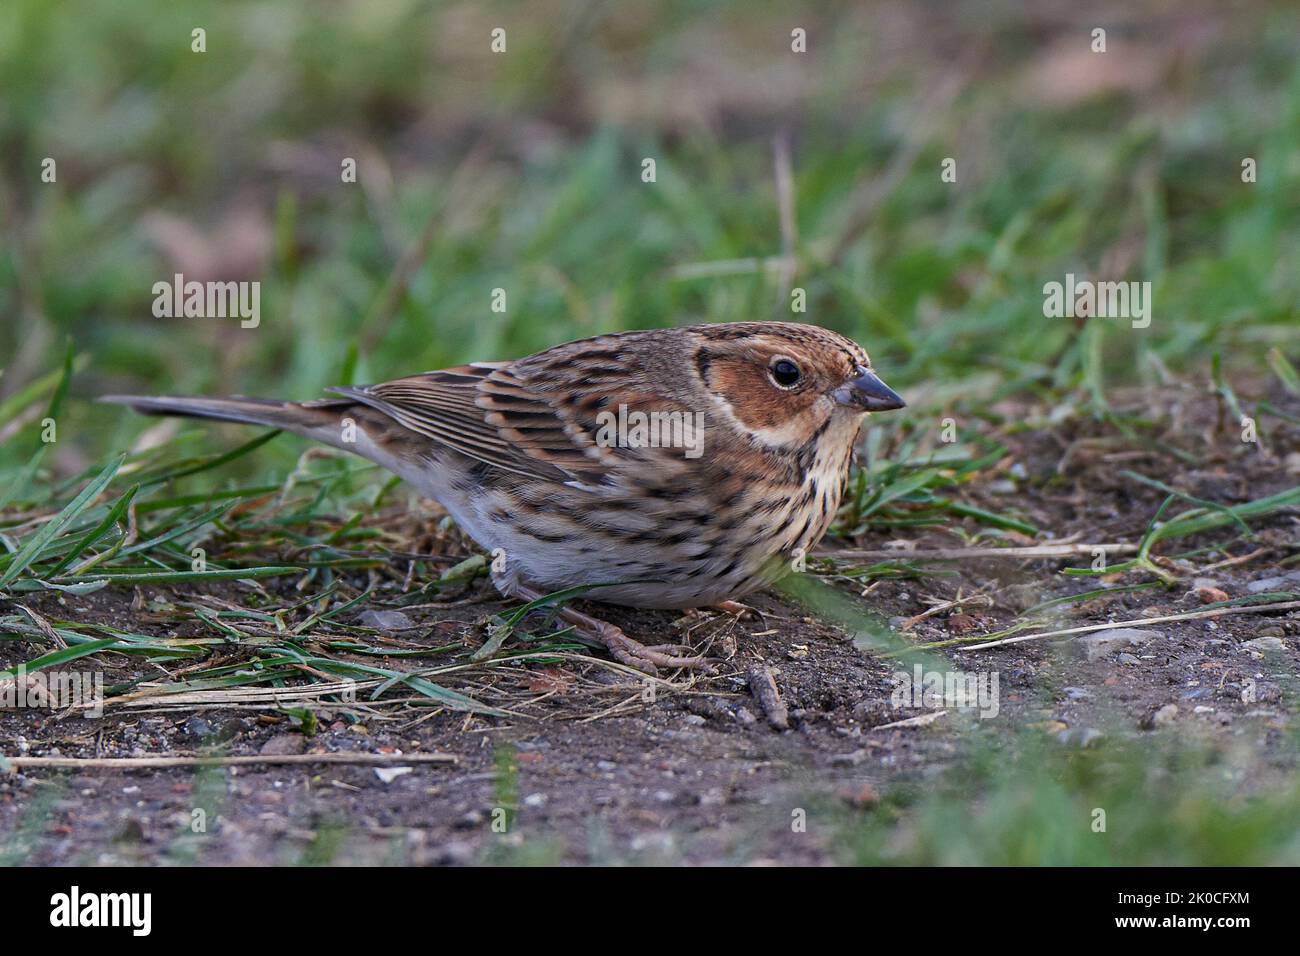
(522, 171)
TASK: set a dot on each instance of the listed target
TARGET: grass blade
(32, 550)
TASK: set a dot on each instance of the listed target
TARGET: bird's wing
(541, 418)
(485, 412)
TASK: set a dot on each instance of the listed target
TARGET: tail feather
(315, 420)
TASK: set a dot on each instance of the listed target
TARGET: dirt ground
(593, 771)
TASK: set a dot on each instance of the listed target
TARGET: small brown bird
(674, 468)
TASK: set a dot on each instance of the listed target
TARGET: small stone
(962, 623)
(1282, 582)
(1160, 717)
(1127, 658)
(386, 621)
(744, 716)
(535, 800)
(132, 831)
(1104, 642)
(606, 765)
(1079, 737)
(455, 853)
(389, 774)
(197, 728)
(1077, 693)
(473, 818)
(1262, 692)
(862, 795)
(283, 745)
(849, 759)
(232, 728)
(1263, 644)
(1211, 595)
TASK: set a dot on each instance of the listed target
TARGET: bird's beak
(869, 393)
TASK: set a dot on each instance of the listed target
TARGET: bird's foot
(625, 650)
(648, 658)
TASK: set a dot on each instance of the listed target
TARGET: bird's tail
(319, 420)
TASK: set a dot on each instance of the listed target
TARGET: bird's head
(785, 383)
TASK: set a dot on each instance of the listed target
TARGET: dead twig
(1242, 559)
(785, 208)
(918, 721)
(963, 554)
(1189, 616)
(763, 686)
(162, 763)
(977, 599)
(44, 626)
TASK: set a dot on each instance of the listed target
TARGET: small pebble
(1103, 642)
(1282, 582)
(1160, 717)
(1266, 644)
(386, 621)
(284, 745)
(1079, 736)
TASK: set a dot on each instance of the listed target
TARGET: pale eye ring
(785, 373)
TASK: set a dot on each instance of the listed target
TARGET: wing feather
(513, 429)
(537, 417)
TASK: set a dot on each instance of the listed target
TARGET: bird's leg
(621, 647)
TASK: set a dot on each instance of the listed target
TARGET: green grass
(1032, 802)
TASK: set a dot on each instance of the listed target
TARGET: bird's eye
(785, 373)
